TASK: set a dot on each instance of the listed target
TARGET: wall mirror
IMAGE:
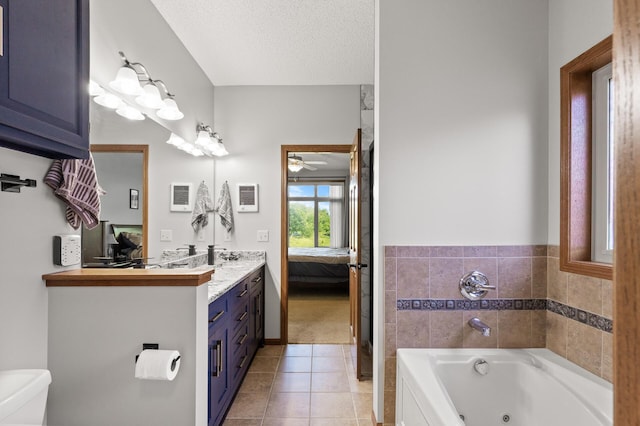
(122, 170)
(122, 234)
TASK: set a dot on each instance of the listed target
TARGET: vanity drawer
(219, 311)
(240, 339)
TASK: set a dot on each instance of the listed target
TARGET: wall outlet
(66, 250)
(263, 236)
(166, 235)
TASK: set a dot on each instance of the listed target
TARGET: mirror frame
(144, 150)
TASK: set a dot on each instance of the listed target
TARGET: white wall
(28, 222)
(255, 122)
(143, 35)
(570, 34)
(461, 130)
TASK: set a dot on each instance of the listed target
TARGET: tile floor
(302, 384)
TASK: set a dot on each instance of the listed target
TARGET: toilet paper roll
(156, 364)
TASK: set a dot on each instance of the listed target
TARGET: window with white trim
(316, 214)
(602, 164)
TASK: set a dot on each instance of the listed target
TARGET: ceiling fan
(296, 163)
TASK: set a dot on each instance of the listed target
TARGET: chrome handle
(475, 285)
(242, 339)
(244, 358)
(257, 279)
(244, 292)
(217, 317)
(219, 367)
(243, 316)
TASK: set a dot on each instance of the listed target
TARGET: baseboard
(272, 342)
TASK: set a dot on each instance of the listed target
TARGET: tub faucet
(483, 328)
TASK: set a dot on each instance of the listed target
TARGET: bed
(129, 238)
(318, 265)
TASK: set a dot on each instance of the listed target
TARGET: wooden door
(355, 262)
(626, 286)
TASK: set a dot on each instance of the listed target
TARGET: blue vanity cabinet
(239, 357)
(219, 377)
(44, 77)
(256, 319)
(233, 341)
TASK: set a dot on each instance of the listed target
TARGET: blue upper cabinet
(44, 77)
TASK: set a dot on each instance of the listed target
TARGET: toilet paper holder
(156, 346)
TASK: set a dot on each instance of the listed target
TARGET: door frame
(285, 150)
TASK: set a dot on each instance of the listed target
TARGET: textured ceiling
(276, 42)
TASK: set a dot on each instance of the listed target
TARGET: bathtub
(519, 387)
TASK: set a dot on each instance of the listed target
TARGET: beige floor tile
(332, 405)
(257, 382)
(242, 422)
(288, 404)
(298, 350)
(295, 364)
(264, 364)
(284, 422)
(360, 386)
(334, 422)
(270, 350)
(363, 403)
(292, 382)
(327, 350)
(329, 382)
(248, 406)
(328, 364)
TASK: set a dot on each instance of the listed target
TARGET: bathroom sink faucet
(483, 328)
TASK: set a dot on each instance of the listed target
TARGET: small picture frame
(134, 199)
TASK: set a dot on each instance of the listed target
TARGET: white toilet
(23, 396)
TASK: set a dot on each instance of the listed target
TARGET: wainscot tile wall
(534, 305)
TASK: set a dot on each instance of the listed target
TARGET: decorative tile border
(596, 321)
(471, 305)
(593, 320)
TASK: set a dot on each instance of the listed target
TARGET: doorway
(334, 308)
(314, 291)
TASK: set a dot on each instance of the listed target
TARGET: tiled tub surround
(424, 308)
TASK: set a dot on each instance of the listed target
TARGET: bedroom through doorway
(315, 245)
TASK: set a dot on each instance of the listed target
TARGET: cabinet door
(257, 310)
(219, 378)
(44, 76)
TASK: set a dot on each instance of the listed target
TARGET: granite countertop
(228, 274)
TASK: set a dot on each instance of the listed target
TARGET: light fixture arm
(164, 87)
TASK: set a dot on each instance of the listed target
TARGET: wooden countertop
(98, 277)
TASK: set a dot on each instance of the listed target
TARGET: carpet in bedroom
(318, 315)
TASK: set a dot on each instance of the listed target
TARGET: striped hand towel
(75, 182)
(223, 208)
(202, 207)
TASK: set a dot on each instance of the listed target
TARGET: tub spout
(483, 328)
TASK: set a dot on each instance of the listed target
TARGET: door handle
(357, 265)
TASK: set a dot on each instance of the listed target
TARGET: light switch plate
(263, 236)
(166, 235)
(66, 250)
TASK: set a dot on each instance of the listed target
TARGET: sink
(23, 396)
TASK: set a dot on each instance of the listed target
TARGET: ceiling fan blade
(308, 167)
(316, 162)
